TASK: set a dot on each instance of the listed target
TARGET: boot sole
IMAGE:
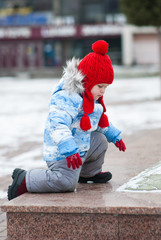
(17, 180)
(15, 172)
(96, 179)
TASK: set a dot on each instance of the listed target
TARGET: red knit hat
(97, 68)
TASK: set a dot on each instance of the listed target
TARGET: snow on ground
(146, 181)
(131, 104)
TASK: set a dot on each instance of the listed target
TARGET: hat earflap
(103, 122)
(102, 103)
(85, 123)
(88, 107)
(88, 102)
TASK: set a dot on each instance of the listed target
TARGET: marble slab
(40, 226)
(136, 227)
(95, 211)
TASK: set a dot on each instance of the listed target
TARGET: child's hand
(121, 145)
(74, 161)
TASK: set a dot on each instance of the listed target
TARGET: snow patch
(147, 181)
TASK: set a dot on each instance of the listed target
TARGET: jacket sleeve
(61, 114)
(112, 133)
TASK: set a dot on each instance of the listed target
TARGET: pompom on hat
(97, 69)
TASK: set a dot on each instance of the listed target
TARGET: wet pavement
(141, 159)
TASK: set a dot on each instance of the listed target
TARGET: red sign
(62, 31)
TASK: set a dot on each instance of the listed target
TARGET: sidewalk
(3, 224)
(121, 71)
(4, 182)
(143, 151)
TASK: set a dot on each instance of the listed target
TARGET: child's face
(98, 90)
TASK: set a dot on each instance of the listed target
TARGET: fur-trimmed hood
(72, 77)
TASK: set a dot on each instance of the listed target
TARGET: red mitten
(74, 161)
(121, 145)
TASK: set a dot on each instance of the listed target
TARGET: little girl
(77, 130)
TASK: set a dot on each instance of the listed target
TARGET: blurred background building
(45, 33)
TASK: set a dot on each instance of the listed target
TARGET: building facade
(35, 34)
(48, 32)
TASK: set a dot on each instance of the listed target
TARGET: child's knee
(68, 185)
(63, 184)
(103, 141)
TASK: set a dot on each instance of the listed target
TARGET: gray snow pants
(59, 178)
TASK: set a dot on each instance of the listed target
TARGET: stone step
(93, 212)
(96, 211)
